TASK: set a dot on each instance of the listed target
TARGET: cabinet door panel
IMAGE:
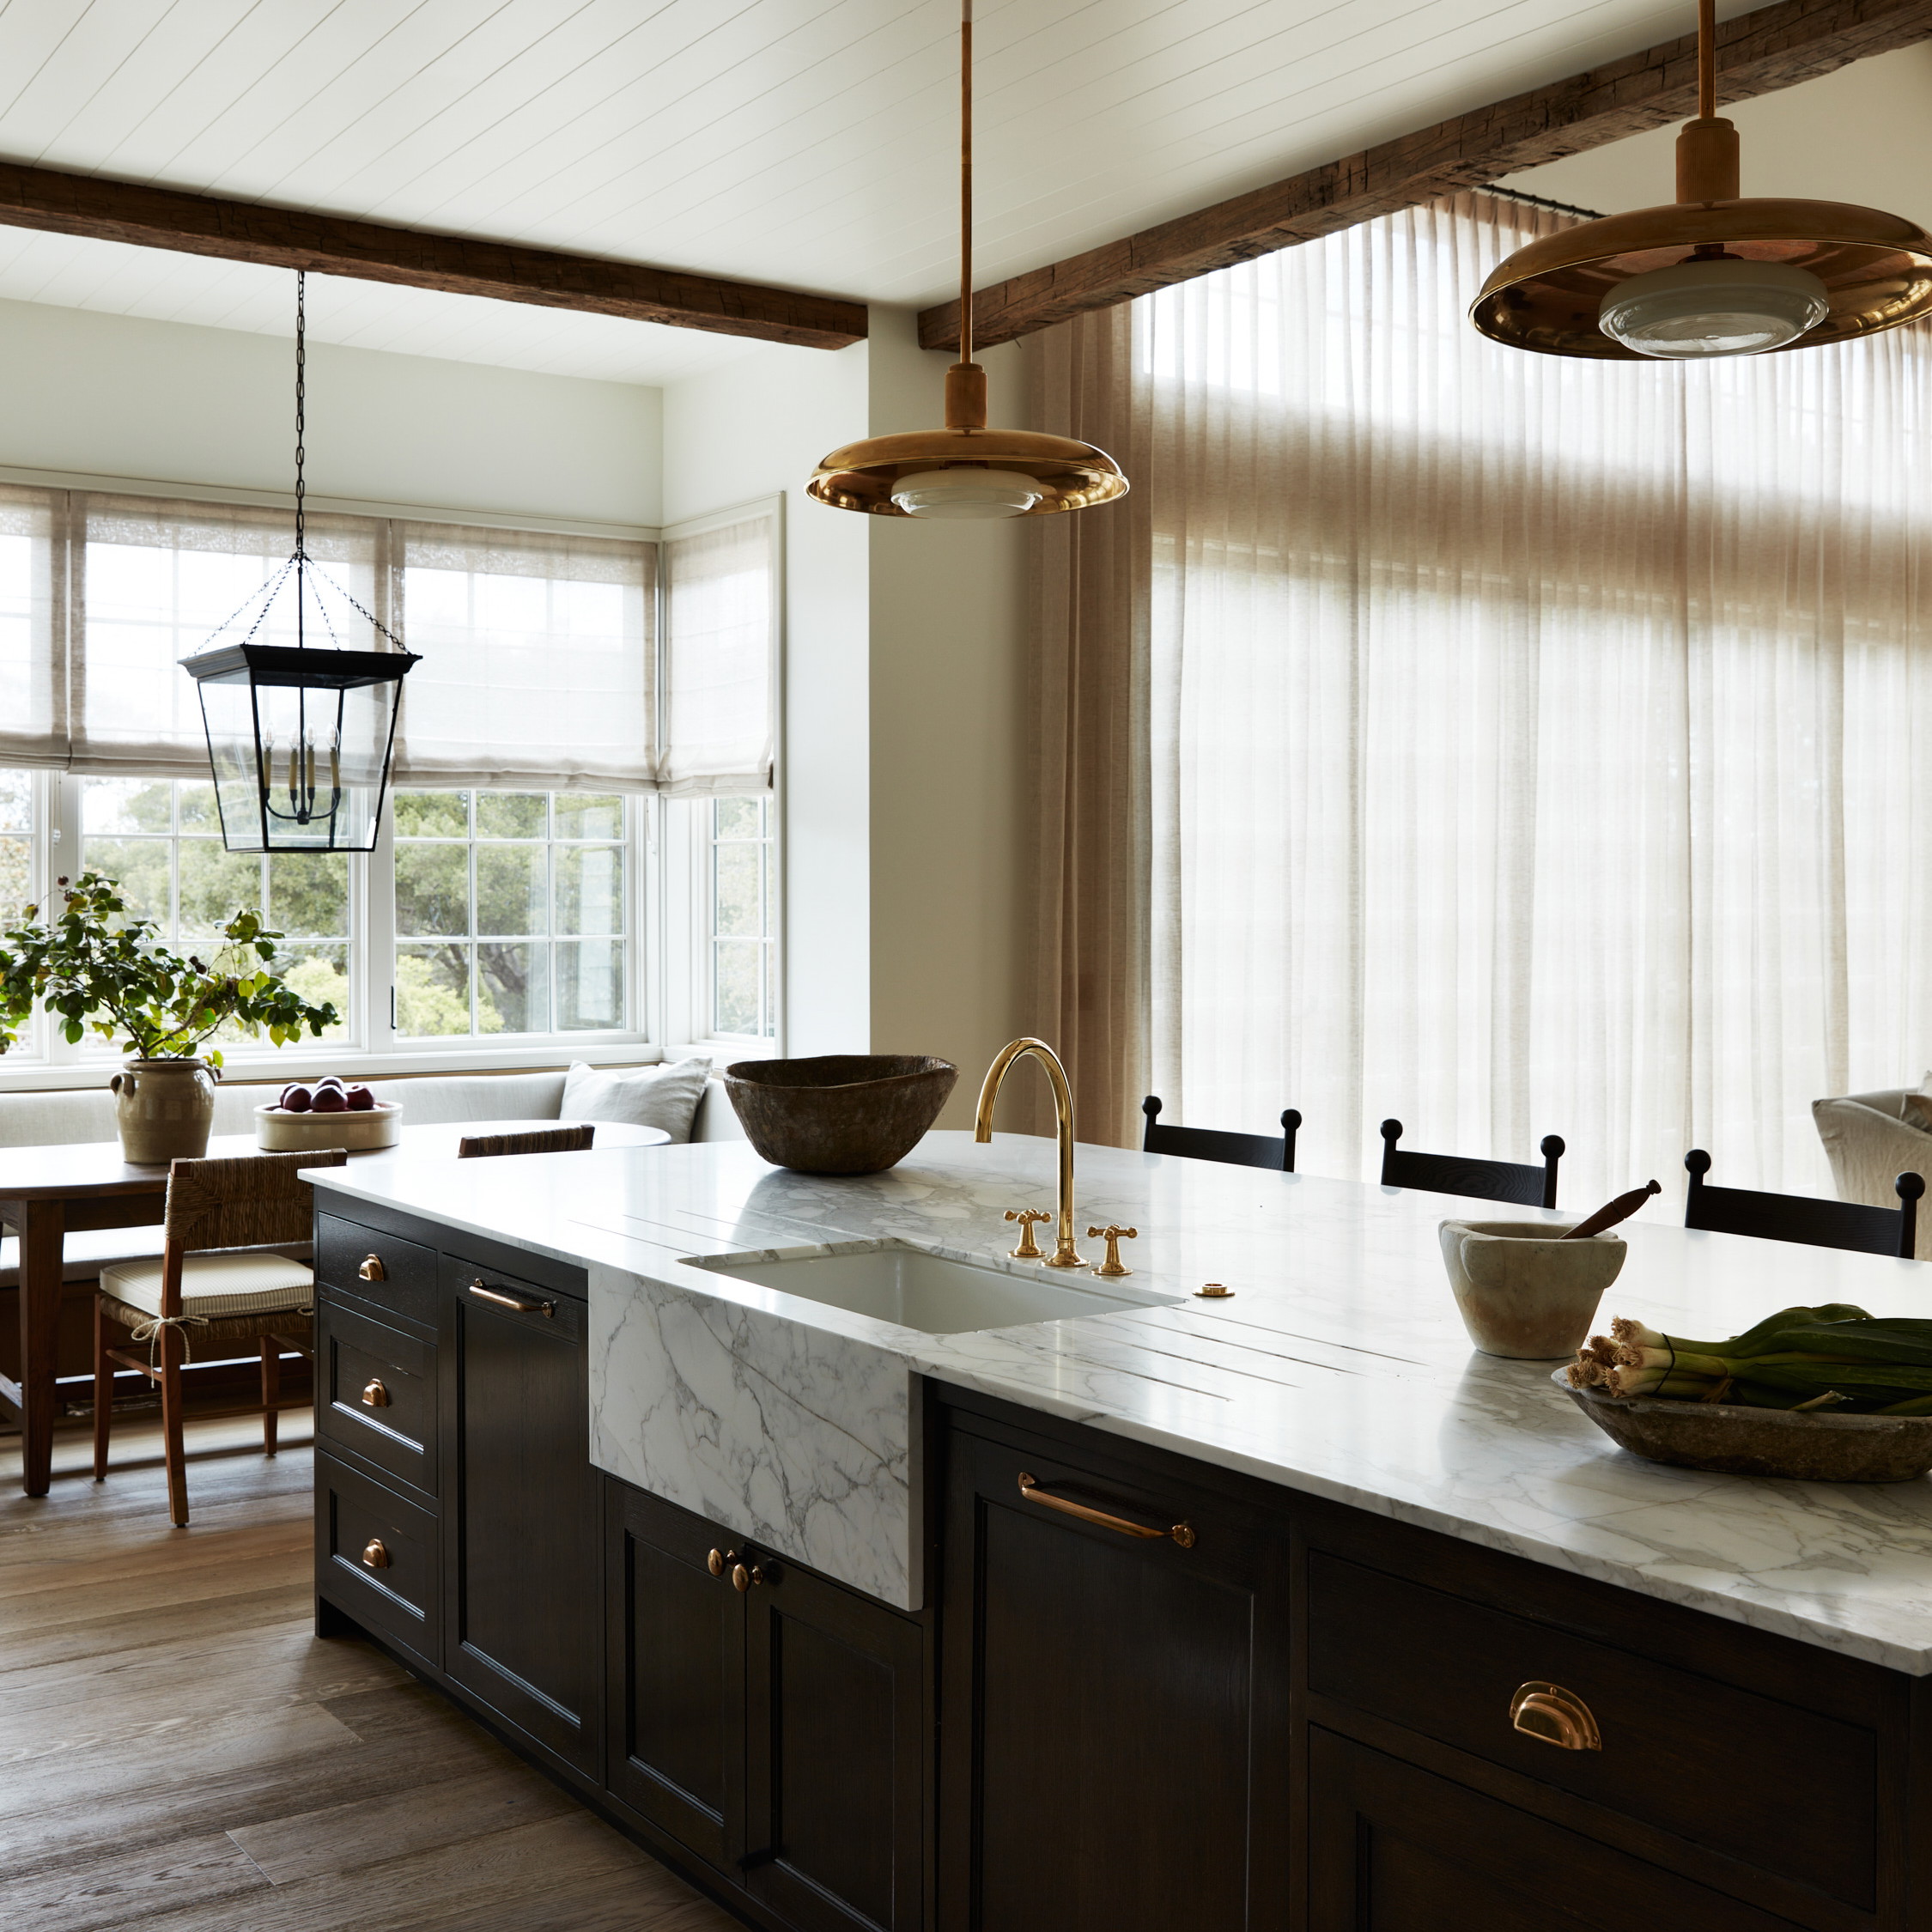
(676, 1648)
(1393, 1849)
(522, 1630)
(835, 1780)
(1116, 1737)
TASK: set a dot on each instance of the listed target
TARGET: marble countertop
(1339, 1366)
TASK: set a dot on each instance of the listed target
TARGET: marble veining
(1338, 1367)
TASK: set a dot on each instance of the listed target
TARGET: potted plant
(96, 969)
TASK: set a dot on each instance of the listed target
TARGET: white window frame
(681, 829)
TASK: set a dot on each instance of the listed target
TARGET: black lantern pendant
(299, 734)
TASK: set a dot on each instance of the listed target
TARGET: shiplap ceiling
(805, 143)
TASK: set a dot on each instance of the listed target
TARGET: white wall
(167, 402)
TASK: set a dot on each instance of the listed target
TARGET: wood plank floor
(178, 1750)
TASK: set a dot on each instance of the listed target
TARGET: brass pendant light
(966, 472)
(1711, 274)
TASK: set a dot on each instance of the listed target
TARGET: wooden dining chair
(1823, 1224)
(1516, 1182)
(544, 1140)
(1214, 1144)
(218, 1282)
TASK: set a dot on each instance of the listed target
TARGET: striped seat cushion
(251, 1282)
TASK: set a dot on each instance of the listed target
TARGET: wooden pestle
(1610, 1212)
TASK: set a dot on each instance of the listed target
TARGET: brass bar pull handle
(1551, 1714)
(374, 1554)
(524, 1305)
(375, 1393)
(373, 1270)
(1182, 1533)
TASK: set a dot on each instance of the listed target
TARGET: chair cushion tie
(150, 1332)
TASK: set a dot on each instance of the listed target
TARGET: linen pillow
(660, 1096)
(1916, 1110)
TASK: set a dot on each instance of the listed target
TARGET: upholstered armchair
(1871, 1139)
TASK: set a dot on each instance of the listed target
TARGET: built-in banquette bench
(58, 1119)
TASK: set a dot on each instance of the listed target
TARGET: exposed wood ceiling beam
(240, 231)
(1759, 52)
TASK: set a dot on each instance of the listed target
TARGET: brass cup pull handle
(375, 1393)
(524, 1305)
(374, 1554)
(1182, 1533)
(1551, 1714)
(373, 1270)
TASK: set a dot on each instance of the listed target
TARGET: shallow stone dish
(1729, 1440)
(839, 1113)
(277, 1131)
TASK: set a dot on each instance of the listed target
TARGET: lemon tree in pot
(96, 969)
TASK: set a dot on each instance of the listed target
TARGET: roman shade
(720, 620)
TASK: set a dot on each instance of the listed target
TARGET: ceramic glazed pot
(1524, 1291)
(839, 1113)
(164, 1109)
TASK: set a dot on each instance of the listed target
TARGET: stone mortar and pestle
(1528, 1290)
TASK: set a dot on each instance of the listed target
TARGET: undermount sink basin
(893, 1281)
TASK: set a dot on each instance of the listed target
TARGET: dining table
(47, 1192)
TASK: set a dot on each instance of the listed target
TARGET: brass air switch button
(1213, 1292)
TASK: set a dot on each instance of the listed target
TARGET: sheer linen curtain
(1530, 746)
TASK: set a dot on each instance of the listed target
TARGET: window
(512, 913)
(161, 840)
(741, 977)
(516, 904)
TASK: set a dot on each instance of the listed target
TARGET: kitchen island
(862, 1624)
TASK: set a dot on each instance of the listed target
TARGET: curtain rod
(1539, 201)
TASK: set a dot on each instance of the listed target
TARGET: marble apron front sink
(749, 1388)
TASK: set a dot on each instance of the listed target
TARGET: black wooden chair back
(1211, 1144)
(1516, 1182)
(1822, 1224)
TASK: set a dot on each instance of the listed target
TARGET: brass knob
(715, 1563)
(1115, 1235)
(741, 1578)
(374, 1555)
(375, 1393)
(1551, 1714)
(373, 1270)
(744, 1575)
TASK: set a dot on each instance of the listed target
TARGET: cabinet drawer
(402, 1274)
(376, 1555)
(1686, 1755)
(376, 1393)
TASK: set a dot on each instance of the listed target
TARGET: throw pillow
(661, 1096)
(1917, 1111)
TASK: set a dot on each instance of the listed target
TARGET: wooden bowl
(1730, 1440)
(839, 1113)
(279, 1131)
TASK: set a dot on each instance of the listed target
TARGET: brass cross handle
(1114, 1235)
(1027, 1219)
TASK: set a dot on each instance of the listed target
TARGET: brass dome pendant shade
(1711, 274)
(966, 472)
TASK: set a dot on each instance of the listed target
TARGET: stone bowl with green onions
(1817, 1394)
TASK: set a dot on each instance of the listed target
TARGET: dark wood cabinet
(1393, 1848)
(1114, 1699)
(771, 1721)
(520, 1508)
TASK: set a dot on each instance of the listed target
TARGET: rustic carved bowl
(839, 1113)
(1730, 1440)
